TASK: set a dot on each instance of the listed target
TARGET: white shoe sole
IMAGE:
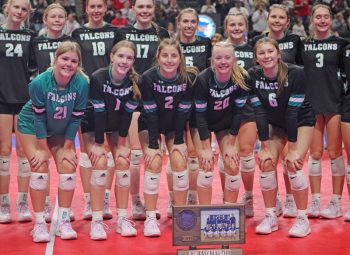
(299, 235)
(273, 229)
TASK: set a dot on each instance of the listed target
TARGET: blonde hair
(133, 76)
(280, 7)
(312, 27)
(181, 13)
(235, 14)
(182, 69)
(282, 73)
(238, 74)
(51, 7)
(9, 2)
(69, 46)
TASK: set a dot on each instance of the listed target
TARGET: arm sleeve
(240, 102)
(37, 95)
(78, 111)
(129, 108)
(262, 122)
(295, 101)
(97, 100)
(181, 114)
(151, 113)
(201, 95)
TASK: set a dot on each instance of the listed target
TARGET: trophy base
(229, 251)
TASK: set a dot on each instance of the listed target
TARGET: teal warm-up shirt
(51, 111)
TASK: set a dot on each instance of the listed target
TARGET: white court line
(50, 245)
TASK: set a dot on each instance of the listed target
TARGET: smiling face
(187, 25)
(66, 65)
(169, 60)
(144, 11)
(96, 10)
(122, 61)
(55, 20)
(223, 59)
(278, 20)
(322, 20)
(236, 27)
(267, 56)
(17, 11)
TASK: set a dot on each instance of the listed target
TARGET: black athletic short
(9, 108)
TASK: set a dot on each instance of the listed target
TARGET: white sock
(122, 212)
(107, 195)
(270, 211)
(22, 197)
(135, 198)
(63, 214)
(302, 213)
(248, 193)
(151, 214)
(316, 196)
(4, 198)
(39, 217)
(97, 216)
(336, 198)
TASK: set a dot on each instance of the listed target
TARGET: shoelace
(66, 226)
(39, 227)
(5, 208)
(315, 205)
(300, 222)
(152, 222)
(100, 225)
(128, 223)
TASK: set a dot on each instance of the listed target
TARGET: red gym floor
(327, 237)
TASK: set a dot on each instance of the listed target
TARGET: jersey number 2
(61, 113)
(13, 49)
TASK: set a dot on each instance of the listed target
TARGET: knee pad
(298, 180)
(98, 178)
(193, 163)
(151, 183)
(5, 166)
(232, 182)
(23, 167)
(110, 160)
(135, 157)
(338, 166)
(315, 167)
(168, 167)
(122, 178)
(67, 181)
(38, 181)
(247, 164)
(85, 161)
(268, 181)
(180, 181)
(348, 174)
(221, 165)
(205, 179)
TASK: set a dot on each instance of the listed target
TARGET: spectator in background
(259, 19)
(339, 23)
(171, 29)
(239, 8)
(118, 4)
(299, 29)
(208, 8)
(128, 13)
(346, 33)
(119, 20)
(110, 14)
(172, 10)
(222, 7)
(71, 24)
(302, 10)
(216, 38)
(2, 18)
(39, 7)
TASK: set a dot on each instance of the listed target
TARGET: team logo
(206, 26)
(186, 220)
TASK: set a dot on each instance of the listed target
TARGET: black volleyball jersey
(113, 104)
(44, 50)
(323, 63)
(146, 42)
(244, 54)
(16, 55)
(96, 45)
(165, 105)
(197, 53)
(290, 46)
(279, 109)
(217, 108)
